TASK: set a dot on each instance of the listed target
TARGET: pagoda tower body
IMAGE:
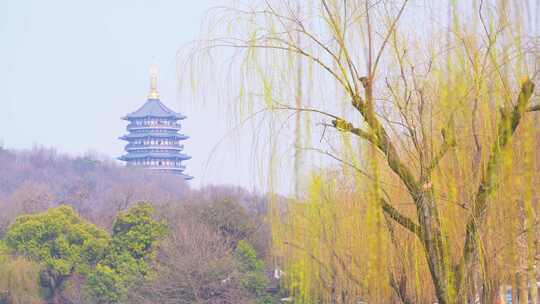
(154, 141)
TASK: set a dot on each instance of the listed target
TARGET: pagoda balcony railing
(157, 166)
(174, 126)
(182, 168)
(154, 146)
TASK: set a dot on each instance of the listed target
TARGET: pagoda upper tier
(154, 141)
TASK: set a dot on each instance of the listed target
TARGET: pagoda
(154, 141)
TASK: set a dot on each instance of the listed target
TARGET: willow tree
(428, 110)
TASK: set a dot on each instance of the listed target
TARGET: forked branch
(510, 119)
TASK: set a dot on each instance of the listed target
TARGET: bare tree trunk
(523, 295)
(436, 268)
(514, 289)
(533, 276)
(54, 283)
(56, 298)
(533, 288)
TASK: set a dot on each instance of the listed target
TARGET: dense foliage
(200, 262)
(189, 246)
(134, 239)
(254, 279)
(61, 242)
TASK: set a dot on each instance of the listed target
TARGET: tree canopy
(60, 241)
(133, 244)
(65, 245)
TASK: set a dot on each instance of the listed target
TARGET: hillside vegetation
(87, 230)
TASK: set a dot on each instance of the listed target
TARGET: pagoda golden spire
(153, 82)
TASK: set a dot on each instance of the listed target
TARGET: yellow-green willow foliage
(19, 279)
(337, 247)
(429, 111)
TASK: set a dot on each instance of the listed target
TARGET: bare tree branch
(508, 124)
(401, 219)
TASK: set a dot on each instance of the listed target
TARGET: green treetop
(134, 240)
(62, 242)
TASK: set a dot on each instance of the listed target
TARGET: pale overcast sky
(71, 69)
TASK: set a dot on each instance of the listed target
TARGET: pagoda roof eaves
(153, 107)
